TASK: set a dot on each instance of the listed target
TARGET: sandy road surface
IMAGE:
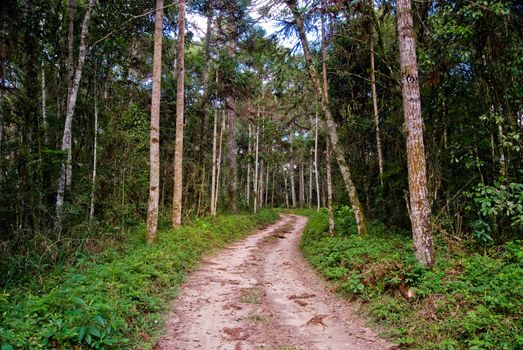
(260, 293)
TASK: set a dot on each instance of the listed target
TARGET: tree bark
(291, 171)
(65, 176)
(217, 192)
(329, 190)
(154, 162)
(316, 163)
(180, 108)
(255, 187)
(322, 97)
(214, 141)
(286, 191)
(248, 180)
(375, 108)
(301, 184)
(233, 164)
(419, 204)
(95, 151)
(44, 105)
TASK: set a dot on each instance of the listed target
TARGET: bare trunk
(255, 187)
(214, 141)
(154, 162)
(95, 151)
(309, 201)
(217, 192)
(233, 165)
(322, 97)
(272, 192)
(329, 190)
(419, 204)
(44, 105)
(180, 108)
(65, 176)
(291, 171)
(248, 180)
(260, 186)
(286, 191)
(267, 186)
(375, 107)
(301, 184)
(316, 163)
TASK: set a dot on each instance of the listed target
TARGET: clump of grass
(120, 302)
(252, 295)
(467, 301)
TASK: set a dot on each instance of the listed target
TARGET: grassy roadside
(468, 301)
(118, 303)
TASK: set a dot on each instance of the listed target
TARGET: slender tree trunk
(301, 184)
(419, 204)
(255, 187)
(267, 186)
(248, 181)
(217, 192)
(95, 152)
(70, 86)
(316, 162)
(309, 201)
(180, 108)
(291, 171)
(66, 169)
(273, 185)
(233, 165)
(375, 107)
(322, 97)
(329, 190)
(260, 186)
(44, 105)
(154, 162)
(214, 141)
(286, 191)
(2, 80)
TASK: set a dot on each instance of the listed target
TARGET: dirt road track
(260, 293)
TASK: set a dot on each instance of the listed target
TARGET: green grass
(468, 301)
(120, 302)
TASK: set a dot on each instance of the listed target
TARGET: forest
(139, 137)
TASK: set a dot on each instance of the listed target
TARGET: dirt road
(260, 293)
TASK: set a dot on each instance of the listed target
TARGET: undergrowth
(468, 301)
(117, 303)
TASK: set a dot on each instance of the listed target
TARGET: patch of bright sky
(198, 23)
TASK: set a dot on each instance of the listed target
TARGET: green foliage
(467, 301)
(107, 305)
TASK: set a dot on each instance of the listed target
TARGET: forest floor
(260, 293)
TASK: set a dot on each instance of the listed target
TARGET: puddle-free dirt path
(260, 293)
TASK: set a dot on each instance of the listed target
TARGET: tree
(419, 203)
(322, 97)
(75, 75)
(154, 175)
(180, 107)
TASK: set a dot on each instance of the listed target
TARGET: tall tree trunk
(255, 187)
(273, 185)
(375, 107)
(309, 200)
(301, 184)
(286, 191)
(419, 204)
(267, 186)
(180, 108)
(260, 186)
(95, 152)
(231, 105)
(291, 171)
(322, 97)
(66, 169)
(44, 105)
(316, 162)
(248, 180)
(154, 162)
(214, 141)
(217, 192)
(329, 190)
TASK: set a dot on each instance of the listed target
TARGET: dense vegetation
(116, 298)
(467, 301)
